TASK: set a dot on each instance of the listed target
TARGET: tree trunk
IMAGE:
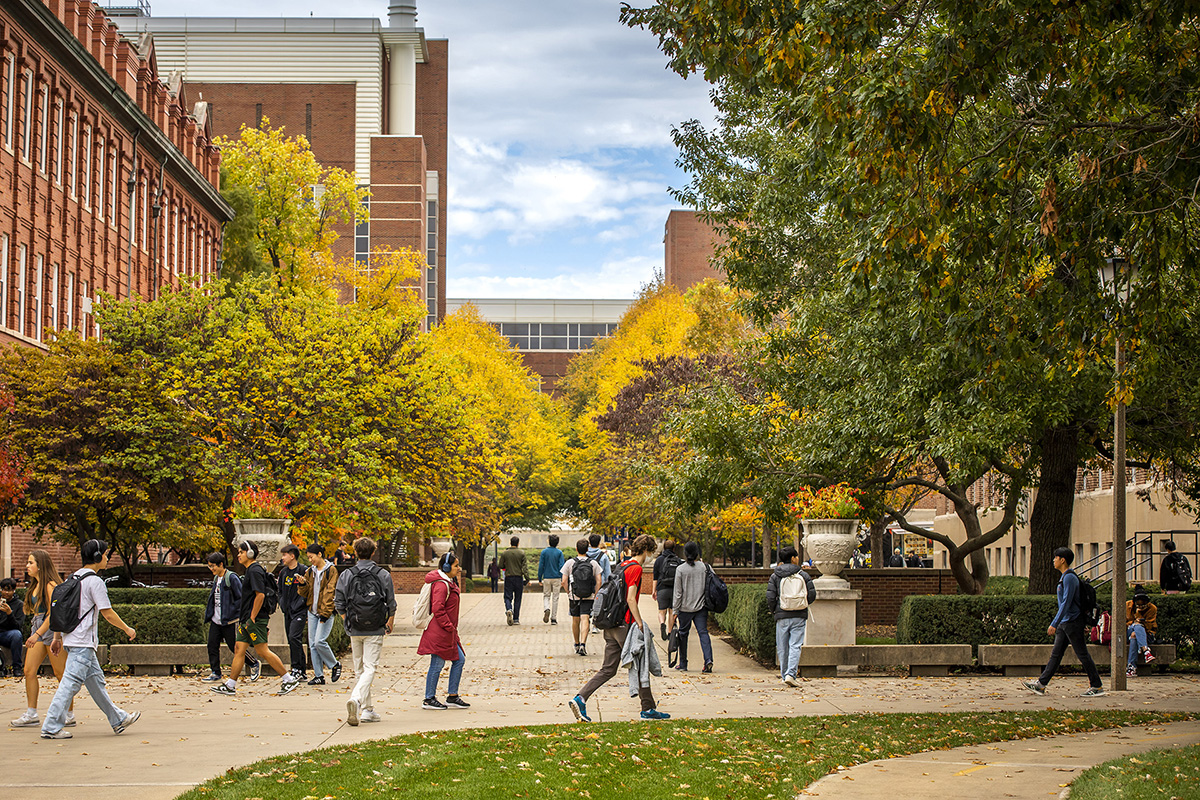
(227, 528)
(1050, 519)
(766, 545)
(878, 557)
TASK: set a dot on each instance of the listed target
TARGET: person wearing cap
(1142, 621)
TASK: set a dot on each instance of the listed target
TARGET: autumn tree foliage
(13, 476)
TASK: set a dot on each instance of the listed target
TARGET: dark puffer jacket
(782, 571)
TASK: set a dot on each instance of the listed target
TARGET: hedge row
(1004, 619)
(748, 618)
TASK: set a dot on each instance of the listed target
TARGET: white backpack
(793, 593)
(423, 608)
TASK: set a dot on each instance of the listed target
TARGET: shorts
(665, 596)
(252, 633)
(580, 608)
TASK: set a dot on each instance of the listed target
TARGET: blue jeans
(318, 647)
(686, 618)
(82, 669)
(1137, 640)
(14, 641)
(789, 638)
(436, 663)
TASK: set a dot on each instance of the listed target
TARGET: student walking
(291, 603)
(440, 639)
(82, 667)
(317, 587)
(550, 565)
(600, 557)
(581, 577)
(41, 577)
(614, 638)
(1067, 627)
(366, 599)
(790, 623)
(223, 611)
(253, 622)
(688, 604)
(662, 585)
(494, 574)
(515, 576)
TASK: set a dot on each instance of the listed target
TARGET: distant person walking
(494, 573)
(516, 575)
(317, 587)
(581, 577)
(788, 581)
(366, 599)
(40, 577)
(897, 559)
(662, 585)
(83, 668)
(550, 565)
(293, 606)
(600, 557)
(223, 611)
(687, 600)
(1175, 573)
(1067, 627)
(440, 640)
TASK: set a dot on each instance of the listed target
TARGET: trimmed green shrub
(158, 624)
(748, 618)
(1007, 585)
(338, 639)
(159, 596)
(468, 585)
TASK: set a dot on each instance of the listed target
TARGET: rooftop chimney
(402, 14)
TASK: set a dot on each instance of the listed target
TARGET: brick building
(369, 97)
(108, 180)
(688, 243)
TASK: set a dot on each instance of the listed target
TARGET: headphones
(250, 548)
(448, 560)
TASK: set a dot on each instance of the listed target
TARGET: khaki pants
(366, 650)
(614, 643)
(550, 590)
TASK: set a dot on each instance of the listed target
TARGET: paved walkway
(517, 675)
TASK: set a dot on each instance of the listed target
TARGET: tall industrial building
(368, 97)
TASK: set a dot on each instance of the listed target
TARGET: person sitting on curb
(1142, 621)
(12, 618)
(1068, 627)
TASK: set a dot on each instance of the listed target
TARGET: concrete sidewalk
(517, 675)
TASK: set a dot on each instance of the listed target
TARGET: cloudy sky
(560, 148)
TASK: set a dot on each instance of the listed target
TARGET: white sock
(31, 711)
(231, 683)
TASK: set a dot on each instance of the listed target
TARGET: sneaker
(553, 621)
(129, 720)
(317, 681)
(335, 673)
(546, 616)
(662, 627)
(1034, 686)
(654, 713)
(508, 616)
(26, 720)
(454, 701)
(583, 649)
(352, 712)
(790, 680)
(211, 677)
(707, 668)
(223, 688)
(577, 649)
(255, 670)
(286, 687)
(368, 716)
(70, 721)
(63, 734)
(1094, 691)
(433, 704)
(579, 709)
(1131, 672)
(1147, 656)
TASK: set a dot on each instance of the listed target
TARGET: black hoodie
(782, 571)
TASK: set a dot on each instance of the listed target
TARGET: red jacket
(441, 637)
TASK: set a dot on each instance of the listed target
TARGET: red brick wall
(550, 366)
(65, 558)
(688, 244)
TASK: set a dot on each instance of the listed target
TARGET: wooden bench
(163, 659)
(1030, 659)
(822, 661)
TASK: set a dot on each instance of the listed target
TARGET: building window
(85, 308)
(258, 115)
(73, 164)
(22, 277)
(308, 122)
(27, 117)
(175, 239)
(100, 177)
(144, 188)
(10, 91)
(39, 289)
(54, 278)
(87, 165)
(69, 316)
(96, 322)
(44, 130)
(114, 211)
(58, 142)
(4, 280)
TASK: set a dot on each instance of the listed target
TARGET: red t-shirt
(633, 577)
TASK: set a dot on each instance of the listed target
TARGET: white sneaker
(26, 720)
(352, 713)
(368, 715)
(790, 680)
(70, 723)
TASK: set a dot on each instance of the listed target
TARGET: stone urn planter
(830, 543)
(268, 536)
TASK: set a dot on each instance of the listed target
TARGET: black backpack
(64, 604)
(670, 565)
(270, 590)
(1089, 610)
(716, 593)
(610, 605)
(583, 580)
(366, 604)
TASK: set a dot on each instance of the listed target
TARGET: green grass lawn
(1154, 775)
(742, 758)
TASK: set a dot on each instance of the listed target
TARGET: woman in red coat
(440, 640)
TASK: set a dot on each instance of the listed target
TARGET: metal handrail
(1132, 561)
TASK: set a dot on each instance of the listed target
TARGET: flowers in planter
(255, 503)
(839, 501)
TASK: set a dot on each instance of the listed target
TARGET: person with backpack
(223, 611)
(1175, 573)
(1069, 626)
(76, 607)
(366, 600)
(317, 586)
(600, 557)
(550, 564)
(581, 577)
(440, 639)
(293, 606)
(260, 595)
(687, 602)
(516, 575)
(662, 585)
(790, 591)
(628, 574)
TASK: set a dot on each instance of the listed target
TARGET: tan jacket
(328, 587)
